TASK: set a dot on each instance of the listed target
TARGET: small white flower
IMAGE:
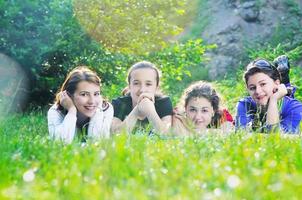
(217, 192)
(102, 154)
(164, 170)
(29, 175)
(257, 155)
(233, 181)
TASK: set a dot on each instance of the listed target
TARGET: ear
(277, 82)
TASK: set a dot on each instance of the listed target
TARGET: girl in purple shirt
(270, 103)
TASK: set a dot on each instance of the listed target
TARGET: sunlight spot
(10, 192)
(257, 155)
(102, 154)
(16, 156)
(275, 187)
(228, 168)
(273, 164)
(66, 182)
(54, 182)
(164, 170)
(233, 181)
(217, 192)
(136, 27)
(216, 165)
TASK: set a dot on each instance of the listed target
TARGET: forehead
(255, 78)
(199, 102)
(87, 86)
(144, 74)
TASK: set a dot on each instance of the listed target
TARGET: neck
(82, 120)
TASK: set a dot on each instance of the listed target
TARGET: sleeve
(121, 108)
(164, 107)
(242, 116)
(100, 123)
(293, 90)
(61, 127)
(291, 116)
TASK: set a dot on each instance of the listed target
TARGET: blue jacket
(290, 114)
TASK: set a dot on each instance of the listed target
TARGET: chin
(262, 103)
(200, 127)
(89, 114)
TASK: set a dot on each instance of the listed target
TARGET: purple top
(290, 115)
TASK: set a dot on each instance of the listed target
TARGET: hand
(150, 96)
(279, 92)
(146, 107)
(282, 63)
(66, 101)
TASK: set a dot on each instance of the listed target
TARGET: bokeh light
(135, 26)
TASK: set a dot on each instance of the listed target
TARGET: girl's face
(261, 87)
(142, 81)
(200, 111)
(87, 98)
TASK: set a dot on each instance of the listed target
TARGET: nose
(91, 99)
(143, 89)
(198, 115)
(258, 90)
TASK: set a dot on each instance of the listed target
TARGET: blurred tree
(135, 26)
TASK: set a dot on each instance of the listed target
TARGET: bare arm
(272, 110)
(128, 123)
(147, 108)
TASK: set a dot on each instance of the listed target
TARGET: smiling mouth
(260, 98)
(199, 122)
(90, 108)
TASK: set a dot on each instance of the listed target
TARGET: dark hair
(77, 75)
(205, 90)
(141, 65)
(261, 66)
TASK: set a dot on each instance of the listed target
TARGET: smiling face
(260, 87)
(200, 111)
(142, 81)
(87, 98)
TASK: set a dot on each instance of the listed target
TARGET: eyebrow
(257, 82)
(201, 107)
(89, 92)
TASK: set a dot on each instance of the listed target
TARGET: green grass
(235, 166)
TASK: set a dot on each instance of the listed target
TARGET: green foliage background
(47, 40)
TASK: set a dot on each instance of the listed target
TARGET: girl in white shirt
(79, 109)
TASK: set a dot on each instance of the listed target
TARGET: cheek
(78, 101)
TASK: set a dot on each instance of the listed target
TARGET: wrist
(72, 110)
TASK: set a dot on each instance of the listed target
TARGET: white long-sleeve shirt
(63, 127)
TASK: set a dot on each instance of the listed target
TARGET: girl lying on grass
(142, 103)
(79, 109)
(199, 110)
(270, 104)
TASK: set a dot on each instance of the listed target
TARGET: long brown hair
(77, 75)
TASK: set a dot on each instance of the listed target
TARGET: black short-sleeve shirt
(123, 106)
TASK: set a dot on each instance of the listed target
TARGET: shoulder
(122, 100)
(162, 99)
(54, 114)
(247, 100)
(290, 104)
(54, 110)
